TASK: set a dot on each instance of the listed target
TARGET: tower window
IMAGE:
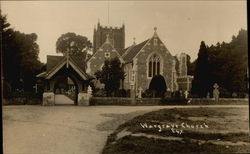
(154, 65)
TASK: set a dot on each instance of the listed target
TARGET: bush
(147, 93)
(224, 93)
(168, 94)
(158, 86)
(100, 93)
(122, 93)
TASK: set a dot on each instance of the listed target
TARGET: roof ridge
(133, 51)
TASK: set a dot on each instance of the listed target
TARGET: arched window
(154, 65)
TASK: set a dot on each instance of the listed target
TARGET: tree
(228, 63)
(19, 57)
(201, 82)
(111, 75)
(158, 86)
(76, 43)
(190, 66)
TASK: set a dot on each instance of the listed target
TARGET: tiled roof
(129, 55)
(121, 52)
(79, 59)
(52, 61)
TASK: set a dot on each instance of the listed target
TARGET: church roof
(133, 50)
(121, 52)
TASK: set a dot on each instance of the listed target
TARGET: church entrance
(66, 91)
(66, 81)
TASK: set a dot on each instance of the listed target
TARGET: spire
(155, 33)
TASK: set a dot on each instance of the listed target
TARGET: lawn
(189, 130)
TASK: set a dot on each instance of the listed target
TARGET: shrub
(100, 93)
(147, 93)
(158, 86)
(122, 93)
(224, 93)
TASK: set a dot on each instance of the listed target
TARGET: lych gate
(61, 70)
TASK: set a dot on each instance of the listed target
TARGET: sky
(181, 25)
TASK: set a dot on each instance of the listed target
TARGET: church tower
(116, 35)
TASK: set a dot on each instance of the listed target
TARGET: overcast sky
(181, 25)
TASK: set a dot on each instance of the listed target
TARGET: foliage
(99, 93)
(158, 86)
(76, 43)
(225, 64)
(19, 57)
(122, 93)
(111, 75)
(200, 83)
(190, 66)
(147, 93)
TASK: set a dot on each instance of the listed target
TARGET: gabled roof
(55, 63)
(52, 61)
(133, 51)
(121, 52)
(105, 44)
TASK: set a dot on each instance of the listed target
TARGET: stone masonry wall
(166, 59)
(97, 61)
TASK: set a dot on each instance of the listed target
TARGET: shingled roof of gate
(78, 58)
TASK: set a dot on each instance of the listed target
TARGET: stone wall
(117, 36)
(97, 61)
(171, 101)
(222, 101)
(22, 101)
(142, 63)
(48, 98)
(123, 101)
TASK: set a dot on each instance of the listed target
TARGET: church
(72, 73)
(141, 62)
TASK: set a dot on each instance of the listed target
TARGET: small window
(132, 76)
(155, 41)
(107, 54)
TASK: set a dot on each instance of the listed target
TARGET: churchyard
(78, 84)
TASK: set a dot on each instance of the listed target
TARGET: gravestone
(216, 92)
(140, 92)
(186, 93)
(208, 95)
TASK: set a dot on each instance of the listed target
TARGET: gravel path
(65, 129)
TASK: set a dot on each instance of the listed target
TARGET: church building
(141, 62)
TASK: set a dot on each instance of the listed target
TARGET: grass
(227, 132)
